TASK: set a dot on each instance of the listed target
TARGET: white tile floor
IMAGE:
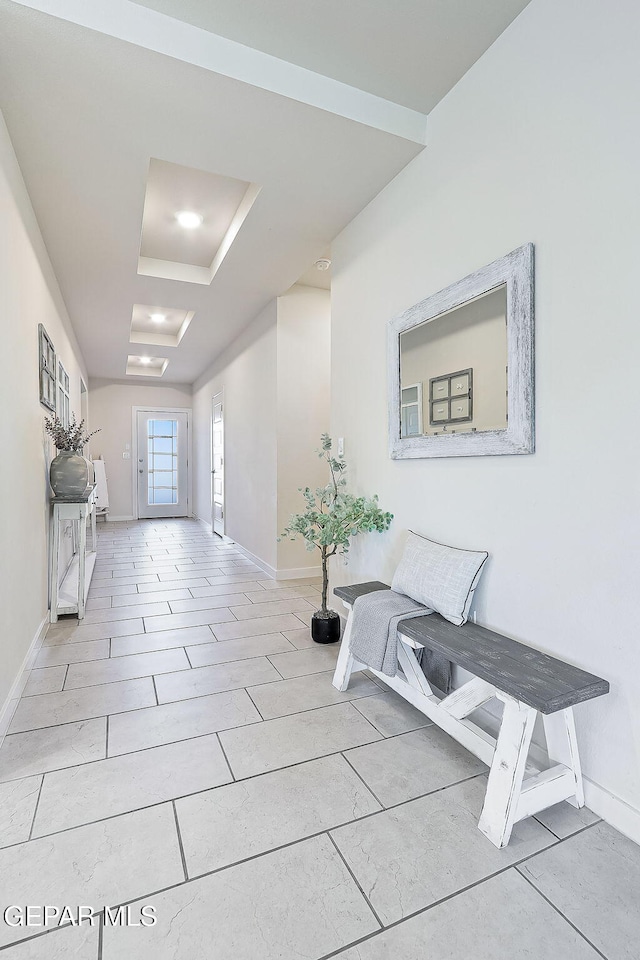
(184, 748)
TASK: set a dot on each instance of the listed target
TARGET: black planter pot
(325, 629)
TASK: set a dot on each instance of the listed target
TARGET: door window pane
(162, 439)
(164, 428)
(162, 445)
(162, 461)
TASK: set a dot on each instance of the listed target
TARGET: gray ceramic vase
(69, 474)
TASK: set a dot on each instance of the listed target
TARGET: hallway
(183, 748)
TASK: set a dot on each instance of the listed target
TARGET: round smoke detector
(322, 264)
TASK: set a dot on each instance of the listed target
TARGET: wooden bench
(527, 682)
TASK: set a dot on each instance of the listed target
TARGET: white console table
(70, 596)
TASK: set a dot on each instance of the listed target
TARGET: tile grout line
(557, 909)
(343, 754)
(517, 866)
(106, 743)
(416, 913)
(275, 668)
(180, 845)
(355, 879)
(35, 809)
(195, 793)
(197, 736)
(204, 666)
(100, 934)
(536, 816)
(260, 714)
(226, 759)
(386, 736)
(155, 690)
(127, 753)
(395, 923)
(200, 696)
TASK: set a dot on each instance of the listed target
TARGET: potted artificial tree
(331, 517)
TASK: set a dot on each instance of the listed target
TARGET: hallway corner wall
(246, 371)
(304, 391)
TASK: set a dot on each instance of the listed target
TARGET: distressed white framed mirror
(461, 366)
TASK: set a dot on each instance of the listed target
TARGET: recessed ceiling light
(158, 317)
(322, 264)
(188, 219)
(145, 359)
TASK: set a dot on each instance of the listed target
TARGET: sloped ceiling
(87, 109)
(411, 52)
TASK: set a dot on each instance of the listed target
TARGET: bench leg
(507, 771)
(412, 670)
(562, 747)
(346, 662)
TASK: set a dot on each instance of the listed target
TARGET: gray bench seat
(537, 679)
(527, 681)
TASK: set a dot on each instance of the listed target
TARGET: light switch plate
(126, 455)
(341, 446)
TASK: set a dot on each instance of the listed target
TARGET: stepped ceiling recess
(275, 124)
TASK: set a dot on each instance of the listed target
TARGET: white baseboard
(298, 573)
(259, 562)
(291, 573)
(614, 810)
(208, 527)
(9, 706)
(605, 804)
(112, 519)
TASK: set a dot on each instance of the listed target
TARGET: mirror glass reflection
(453, 370)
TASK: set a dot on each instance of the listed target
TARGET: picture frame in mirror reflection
(482, 329)
(450, 398)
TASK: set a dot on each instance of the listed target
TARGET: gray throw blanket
(374, 636)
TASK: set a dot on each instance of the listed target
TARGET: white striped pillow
(438, 576)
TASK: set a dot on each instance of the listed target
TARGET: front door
(217, 465)
(162, 464)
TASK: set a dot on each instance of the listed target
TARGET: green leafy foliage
(332, 516)
(71, 438)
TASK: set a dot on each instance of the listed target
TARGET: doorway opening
(217, 464)
(162, 479)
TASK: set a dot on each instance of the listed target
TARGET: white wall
(247, 373)
(29, 295)
(111, 403)
(276, 380)
(538, 142)
(304, 384)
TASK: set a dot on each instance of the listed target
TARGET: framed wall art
(47, 355)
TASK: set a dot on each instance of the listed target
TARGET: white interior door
(217, 465)
(162, 464)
